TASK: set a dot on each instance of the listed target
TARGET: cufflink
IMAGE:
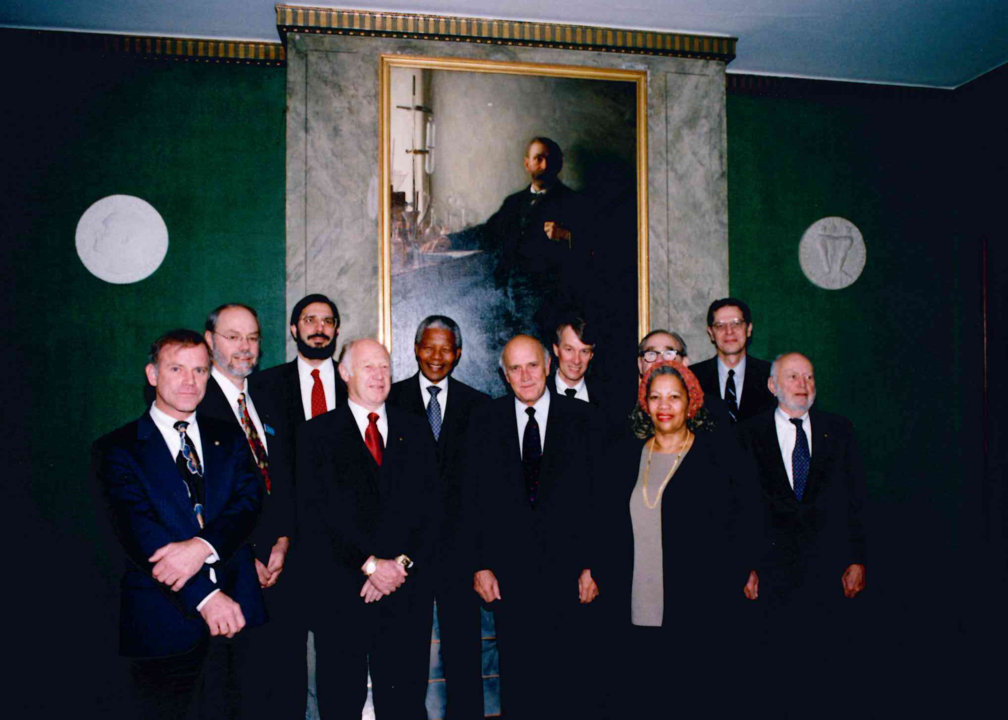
(405, 562)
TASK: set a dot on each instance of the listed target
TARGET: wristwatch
(370, 566)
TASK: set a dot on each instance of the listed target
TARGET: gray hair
(211, 321)
(439, 322)
(674, 335)
(346, 355)
(776, 362)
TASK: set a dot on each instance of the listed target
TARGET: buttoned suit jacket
(449, 451)
(150, 507)
(277, 517)
(351, 508)
(824, 532)
(756, 396)
(536, 553)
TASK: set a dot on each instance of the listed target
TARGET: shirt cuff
(206, 599)
(214, 557)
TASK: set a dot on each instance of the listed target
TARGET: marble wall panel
(332, 145)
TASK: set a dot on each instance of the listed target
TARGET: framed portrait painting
(513, 198)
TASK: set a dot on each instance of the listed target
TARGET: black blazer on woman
(710, 533)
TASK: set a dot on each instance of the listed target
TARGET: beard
(232, 369)
(315, 353)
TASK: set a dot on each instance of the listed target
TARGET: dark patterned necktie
(188, 463)
(801, 458)
(254, 441)
(434, 411)
(318, 403)
(373, 439)
(570, 392)
(531, 455)
(729, 395)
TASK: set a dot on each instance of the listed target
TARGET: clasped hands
(388, 576)
(270, 573)
(176, 562)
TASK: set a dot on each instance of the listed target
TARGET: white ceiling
(935, 43)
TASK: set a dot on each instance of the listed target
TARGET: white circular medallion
(832, 253)
(121, 239)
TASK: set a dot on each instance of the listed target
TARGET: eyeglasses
(736, 324)
(652, 355)
(329, 321)
(252, 339)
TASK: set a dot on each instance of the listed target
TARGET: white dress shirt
(327, 373)
(231, 393)
(360, 415)
(442, 397)
(786, 438)
(722, 373)
(541, 412)
(581, 388)
(165, 424)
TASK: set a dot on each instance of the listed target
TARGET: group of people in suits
(318, 495)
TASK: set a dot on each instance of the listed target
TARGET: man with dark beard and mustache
(232, 333)
(308, 385)
(288, 395)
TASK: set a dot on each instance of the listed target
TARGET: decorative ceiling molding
(154, 48)
(341, 21)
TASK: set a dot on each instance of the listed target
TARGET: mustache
(323, 336)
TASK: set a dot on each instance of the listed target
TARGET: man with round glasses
(659, 345)
(732, 374)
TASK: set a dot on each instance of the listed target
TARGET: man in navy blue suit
(183, 498)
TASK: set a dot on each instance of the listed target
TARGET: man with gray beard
(272, 661)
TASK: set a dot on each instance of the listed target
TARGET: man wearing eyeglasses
(660, 345)
(270, 656)
(732, 374)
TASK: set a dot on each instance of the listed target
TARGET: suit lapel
(213, 461)
(552, 448)
(820, 453)
(351, 438)
(167, 489)
(773, 461)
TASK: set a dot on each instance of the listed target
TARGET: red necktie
(372, 438)
(318, 405)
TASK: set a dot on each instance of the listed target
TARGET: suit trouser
(201, 683)
(458, 608)
(537, 642)
(390, 641)
(274, 671)
(165, 688)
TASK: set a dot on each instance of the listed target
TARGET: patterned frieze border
(372, 23)
(153, 47)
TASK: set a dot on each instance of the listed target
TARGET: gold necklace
(647, 470)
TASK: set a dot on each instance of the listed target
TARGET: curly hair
(696, 416)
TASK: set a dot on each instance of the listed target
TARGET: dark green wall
(899, 351)
(204, 144)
